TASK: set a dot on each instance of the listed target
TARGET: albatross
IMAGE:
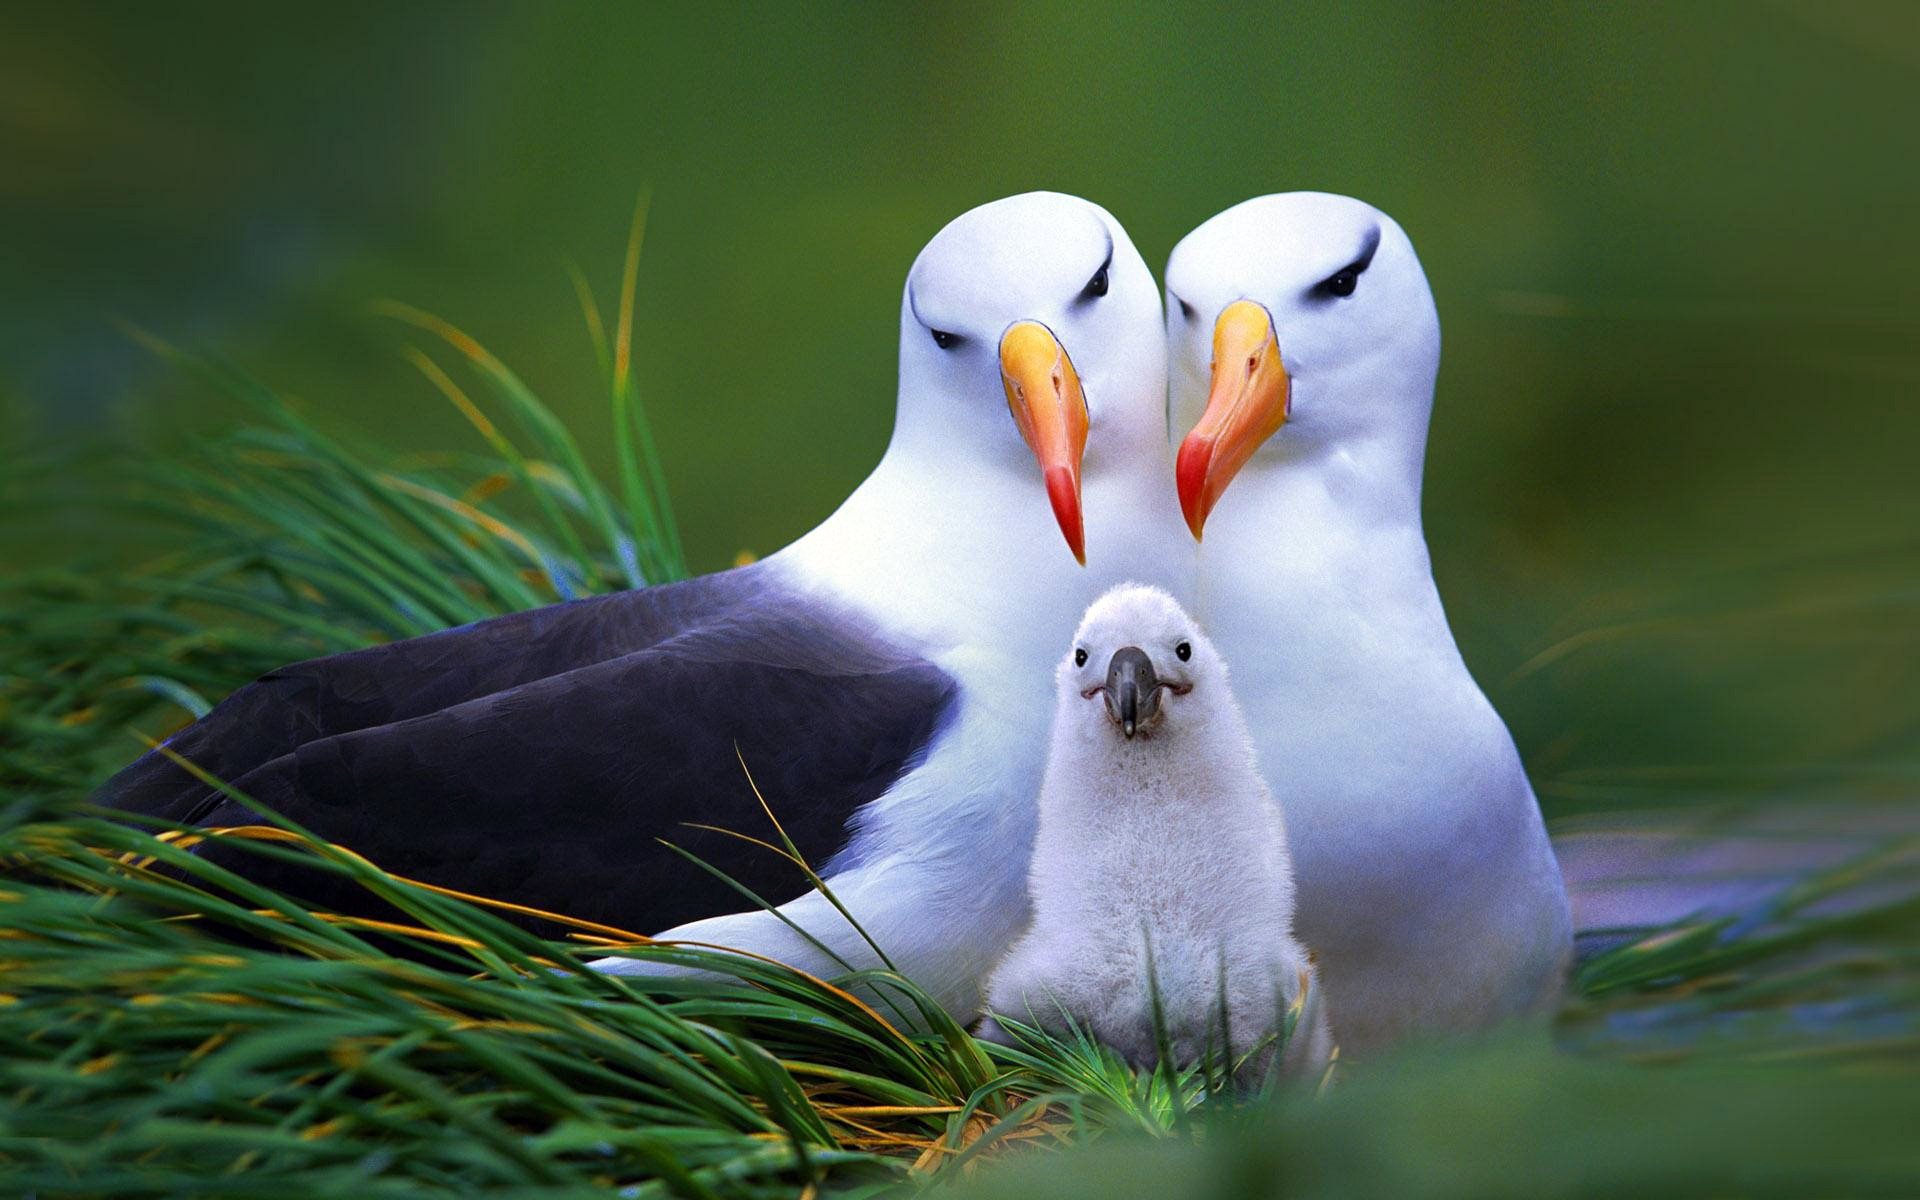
(1303, 346)
(884, 679)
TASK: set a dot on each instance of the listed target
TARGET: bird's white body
(1427, 886)
(950, 547)
(1160, 857)
(1427, 882)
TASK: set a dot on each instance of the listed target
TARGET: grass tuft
(279, 542)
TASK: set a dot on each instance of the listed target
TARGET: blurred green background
(1674, 481)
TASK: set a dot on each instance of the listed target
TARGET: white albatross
(1303, 346)
(882, 678)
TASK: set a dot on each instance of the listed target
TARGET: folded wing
(544, 757)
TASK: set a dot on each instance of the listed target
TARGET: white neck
(1370, 483)
(964, 557)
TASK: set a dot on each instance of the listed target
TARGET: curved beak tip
(1190, 474)
(1063, 492)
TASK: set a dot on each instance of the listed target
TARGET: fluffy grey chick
(1159, 846)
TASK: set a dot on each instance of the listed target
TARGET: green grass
(170, 1025)
(170, 1029)
(147, 1053)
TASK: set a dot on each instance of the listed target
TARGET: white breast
(1426, 883)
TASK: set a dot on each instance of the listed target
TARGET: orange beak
(1247, 402)
(1043, 391)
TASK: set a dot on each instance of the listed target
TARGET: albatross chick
(1161, 863)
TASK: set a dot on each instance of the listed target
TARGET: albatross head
(1136, 659)
(1297, 324)
(1030, 351)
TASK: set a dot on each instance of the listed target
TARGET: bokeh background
(1674, 481)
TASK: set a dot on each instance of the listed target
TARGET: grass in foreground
(170, 1028)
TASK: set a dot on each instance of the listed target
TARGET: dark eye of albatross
(945, 340)
(1340, 283)
(1079, 656)
(1183, 651)
(1097, 286)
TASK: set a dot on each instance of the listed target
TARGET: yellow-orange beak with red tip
(1043, 392)
(1247, 403)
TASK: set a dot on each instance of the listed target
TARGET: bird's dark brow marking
(1105, 265)
(1367, 252)
(1357, 267)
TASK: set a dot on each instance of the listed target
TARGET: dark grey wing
(557, 792)
(294, 705)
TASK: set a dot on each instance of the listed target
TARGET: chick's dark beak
(1133, 690)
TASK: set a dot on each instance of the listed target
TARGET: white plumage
(1158, 842)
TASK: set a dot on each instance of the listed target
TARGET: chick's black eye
(1340, 283)
(1097, 286)
(945, 340)
(1079, 656)
(1183, 651)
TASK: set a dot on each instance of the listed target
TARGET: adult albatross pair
(885, 679)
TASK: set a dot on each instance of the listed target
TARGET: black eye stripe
(1342, 283)
(1097, 285)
